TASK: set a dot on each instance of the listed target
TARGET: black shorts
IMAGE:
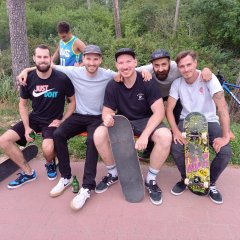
(139, 125)
(47, 132)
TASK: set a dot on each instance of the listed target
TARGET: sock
(112, 170)
(152, 174)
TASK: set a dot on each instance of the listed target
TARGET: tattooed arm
(222, 111)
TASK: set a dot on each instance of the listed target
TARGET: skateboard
(126, 158)
(196, 153)
(8, 167)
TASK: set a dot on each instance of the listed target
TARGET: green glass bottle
(32, 135)
(75, 185)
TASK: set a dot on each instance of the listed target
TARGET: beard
(42, 68)
(162, 75)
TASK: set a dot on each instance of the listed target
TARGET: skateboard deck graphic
(8, 167)
(127, 163)
(197, 153)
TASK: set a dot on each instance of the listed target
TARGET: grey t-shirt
(89, 91)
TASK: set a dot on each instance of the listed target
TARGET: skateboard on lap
(197, 153)
(126, 159)
(8, 167)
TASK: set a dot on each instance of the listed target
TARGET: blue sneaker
(22, 179)
(51, 170)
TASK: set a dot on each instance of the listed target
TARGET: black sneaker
(51, 170)
(215, 195)
(106, 182)
(22, 179)
(179, 188)
(155, 192)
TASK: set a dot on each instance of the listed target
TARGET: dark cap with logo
(122, 51)
(159, 53)
(92, 49)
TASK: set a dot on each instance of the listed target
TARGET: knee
(163, 137)
(58, 134)
(48, 147)
(100, 135)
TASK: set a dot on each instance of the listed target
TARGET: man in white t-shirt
(207, 98)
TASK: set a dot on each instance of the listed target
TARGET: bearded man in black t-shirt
(47, 89)
(141, 102)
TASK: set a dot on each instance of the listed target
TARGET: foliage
(7, 92)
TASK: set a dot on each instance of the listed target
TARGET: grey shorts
(139, 125)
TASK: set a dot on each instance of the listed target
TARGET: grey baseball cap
(92, 49)
(159, 53)
(122, 51)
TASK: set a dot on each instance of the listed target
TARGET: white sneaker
(80, 199)
(62, 185)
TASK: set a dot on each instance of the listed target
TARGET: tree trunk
(234, 107)
(18, 36)
(176, 17)
(118, 32)
(89, 4)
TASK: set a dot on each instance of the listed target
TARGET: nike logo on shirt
(38, 94)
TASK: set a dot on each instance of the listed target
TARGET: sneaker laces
(21, 176)
(50, 167)
(107, 178)
(213, 189)
(154, 187)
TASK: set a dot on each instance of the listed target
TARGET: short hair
(42, 46)
(185, 53)
(63, 27)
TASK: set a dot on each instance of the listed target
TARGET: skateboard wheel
(186, 181)
(204, 135)
(206, 184)
(184, 134)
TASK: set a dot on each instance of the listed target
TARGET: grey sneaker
(106, 182)
(215, 195)
(155, 192)
(179, 188)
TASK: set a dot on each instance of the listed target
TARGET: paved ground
(29, 213)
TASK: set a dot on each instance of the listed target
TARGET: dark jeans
(218, 164)
(176, 112)
(71, 127)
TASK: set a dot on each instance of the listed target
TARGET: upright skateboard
(8, 167)
(126, 158)
(197, 153)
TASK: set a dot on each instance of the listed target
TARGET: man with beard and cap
(165, 71)
(47, 89)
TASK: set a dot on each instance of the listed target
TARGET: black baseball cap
(122, 51)
(92, 49)
(159, 53)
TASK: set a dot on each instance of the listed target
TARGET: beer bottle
(75, 185)
(32, 135)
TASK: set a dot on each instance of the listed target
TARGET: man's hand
(118, 78)
(178, 138)
(219, 142)
(27, 136)
(55, 123)
(22, 77)
(147, 76)
(108, 120)
(206, 74)
(141, 143)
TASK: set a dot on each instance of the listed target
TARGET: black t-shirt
(47, 95)
(135, 102)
